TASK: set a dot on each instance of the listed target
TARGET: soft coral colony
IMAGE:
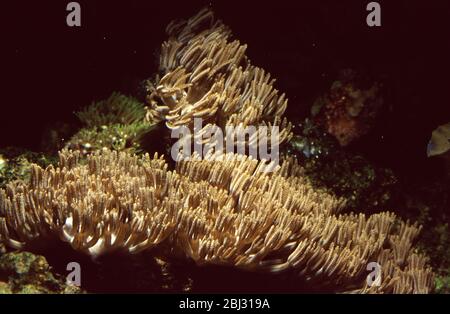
(223, 212)
(206, 75)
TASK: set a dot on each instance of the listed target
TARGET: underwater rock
(16, 163)
(26, 273)
(345, 174)
(4, 288)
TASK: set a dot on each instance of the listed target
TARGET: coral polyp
(205, 74)
(225, 212)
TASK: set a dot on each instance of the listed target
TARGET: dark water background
(49, 70)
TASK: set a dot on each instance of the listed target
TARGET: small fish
(440, 141)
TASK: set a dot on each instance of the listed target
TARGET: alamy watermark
(374, 17)
(374, 277)
(74, 277)
(212, 142)
(74, 16)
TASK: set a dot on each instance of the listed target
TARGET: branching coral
(206, 75)
(225, 212)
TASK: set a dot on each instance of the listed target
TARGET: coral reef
(117, 109)
(310, 141)
(15, 164)
(342, 115)
(107, 198)
(346, 174)
(115, 123)
(347, 111)
(427, 201)
(225, 212)
(26, 273)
